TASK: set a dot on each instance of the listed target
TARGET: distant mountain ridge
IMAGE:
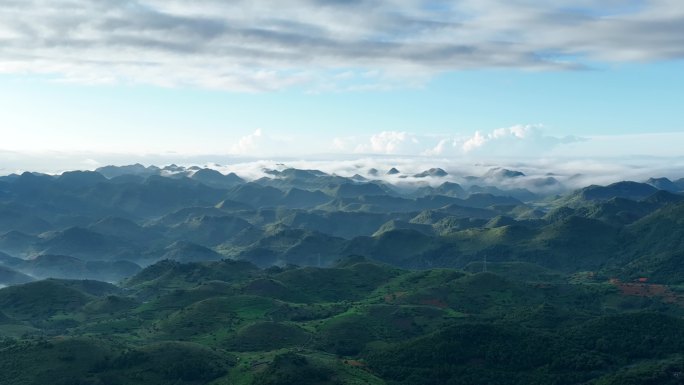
(133, 216)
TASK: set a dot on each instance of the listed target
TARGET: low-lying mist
(541, 175)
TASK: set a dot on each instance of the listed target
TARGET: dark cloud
(267, 44)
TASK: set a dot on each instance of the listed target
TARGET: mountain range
(137, 215)
(185, 275)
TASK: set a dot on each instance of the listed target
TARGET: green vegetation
(309, 278)
(360, 322)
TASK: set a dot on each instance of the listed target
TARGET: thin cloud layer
(570, 173)
(266, 45)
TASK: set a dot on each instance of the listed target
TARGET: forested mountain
(152, 275)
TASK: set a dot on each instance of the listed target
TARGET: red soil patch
(355, 363)
(643, 289)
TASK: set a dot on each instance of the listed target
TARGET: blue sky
(468, 79)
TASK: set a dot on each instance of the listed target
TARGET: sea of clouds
(570, 173)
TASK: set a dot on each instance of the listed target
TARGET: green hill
(265, 336)
(209, 230)
(66, 267)
(188, 213)
(16, 243)
(84, 244)
(401, 247)
(398, 225)
(215, 316)
(576, 243)
(12, 277)
(168, 274)
(517, 271)
(126, 230)
(339, 224)
(42, 299)
(660, 231)
(88, 360)
(305, 277)
(654, 246)
(357, 322)
(626, 189)
(282, 245)
(182, 251)
(336, 284)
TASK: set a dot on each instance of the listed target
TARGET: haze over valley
(319, 192)
(287, 273)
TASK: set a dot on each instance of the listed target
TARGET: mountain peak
(663, 184)
(498, 172)
(434, 172)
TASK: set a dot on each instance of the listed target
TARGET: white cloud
(526, 140)
(263, 45)
(260, 143)
(571, 172)
(389, 142)
(478, 140)
(600, 159)
(521, 140)
(248, 144)
(91, 163)
(594, 168)
(344, 144)
(517, 133)
(384, 142)
(442, 147)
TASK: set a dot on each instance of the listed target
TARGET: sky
(89, 82)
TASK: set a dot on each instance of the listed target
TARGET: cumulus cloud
(441, 148)
(385, 142)
(260, 143)
(517, 140)
(247, 144)
(520, 139)
(389, 142)
(262, 45)
(344, 144)
(478, 140)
